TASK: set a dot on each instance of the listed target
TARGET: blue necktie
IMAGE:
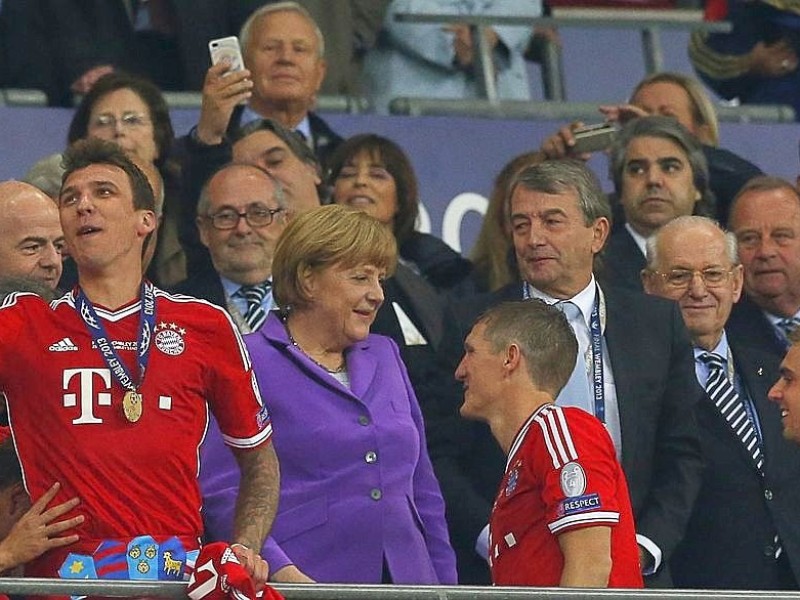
(577, 392)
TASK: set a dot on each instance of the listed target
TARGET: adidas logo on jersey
(63, 345)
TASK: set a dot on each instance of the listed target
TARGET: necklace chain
(340, 369)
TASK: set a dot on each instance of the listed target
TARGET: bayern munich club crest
(169, 338)
(513, 479)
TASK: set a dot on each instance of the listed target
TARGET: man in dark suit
(744, 532)
(264, 143)
(686, 100)
(240, 215)
(765, 217)
(659, 173)
(637, 346)
(283, 51)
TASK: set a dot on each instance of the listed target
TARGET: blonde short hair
(320, 238)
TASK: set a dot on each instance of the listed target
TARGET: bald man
(31, 240)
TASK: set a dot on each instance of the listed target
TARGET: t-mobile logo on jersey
(87, 380)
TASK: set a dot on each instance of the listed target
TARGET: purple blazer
(357, 485)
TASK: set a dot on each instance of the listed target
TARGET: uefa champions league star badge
(169, 338)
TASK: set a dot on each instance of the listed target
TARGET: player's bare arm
(257, 501)
(587, 557)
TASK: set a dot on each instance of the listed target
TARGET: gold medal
(132, 406)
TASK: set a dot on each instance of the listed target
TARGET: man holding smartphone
(283, 51)
(684, 99)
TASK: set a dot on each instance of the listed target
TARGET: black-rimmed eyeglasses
(256, 216)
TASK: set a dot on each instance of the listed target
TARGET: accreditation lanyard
(596, 320)
(596, 335)
(147, 318)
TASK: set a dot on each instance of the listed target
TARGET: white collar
(721, 349)
(584, 300)
(638, 238)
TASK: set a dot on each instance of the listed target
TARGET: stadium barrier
(353, 105)
(174, 589)
(564, 111)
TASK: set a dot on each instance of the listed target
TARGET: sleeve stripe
(589, 518)
(557, 436)
(548, 442)
(250, 442)
(573, 453)
(11, 299)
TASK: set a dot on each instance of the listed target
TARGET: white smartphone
(226, 49)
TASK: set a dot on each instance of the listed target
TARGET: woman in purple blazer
(359, 501)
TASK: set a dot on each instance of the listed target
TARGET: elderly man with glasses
(240, 215)
(744, 531)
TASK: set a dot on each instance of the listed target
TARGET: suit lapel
(426, 303)
(216, 291)
(362, 368)
(625, 376)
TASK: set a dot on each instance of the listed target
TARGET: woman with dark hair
(148, 118)
(372, 173)
(132, 112)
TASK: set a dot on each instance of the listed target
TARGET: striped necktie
(255, 294)
(787, 326)
(731, 407)
(725, 397)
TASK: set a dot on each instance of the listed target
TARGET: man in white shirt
(634, 370)
(744, 531)
(765, 217)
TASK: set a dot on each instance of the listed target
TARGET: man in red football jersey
(562, 515)
(109, 389)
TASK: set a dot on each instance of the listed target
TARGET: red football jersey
(66, 414)
(561, 474)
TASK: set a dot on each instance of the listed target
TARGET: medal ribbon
(147, 319)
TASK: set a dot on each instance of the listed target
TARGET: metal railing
(186, 100)
(22, 97)
(176, 589)
(328, 104)
(565, 111)
(648, 21)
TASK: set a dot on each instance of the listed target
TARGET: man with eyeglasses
(765, 216)
(240, 215)
(744, 532)
(659, 173)
(265, 143)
